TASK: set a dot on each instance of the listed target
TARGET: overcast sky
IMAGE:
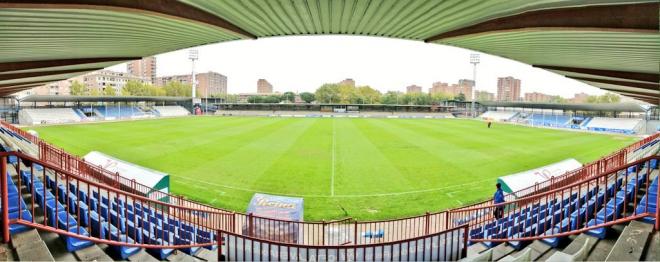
(303, 63)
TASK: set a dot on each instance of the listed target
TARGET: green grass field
(363, 168)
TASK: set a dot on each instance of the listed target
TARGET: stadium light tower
(193, 55)
(474, 60)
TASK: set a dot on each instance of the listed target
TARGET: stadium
(101, 177)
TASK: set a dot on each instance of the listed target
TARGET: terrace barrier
(442, 246)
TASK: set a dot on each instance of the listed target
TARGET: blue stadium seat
(74, 244)
(649, 202)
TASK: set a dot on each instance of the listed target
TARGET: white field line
(340, 196)
(451, 195)
(332, 176)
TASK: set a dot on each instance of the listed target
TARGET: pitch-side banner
(288, 210)
(522, 180)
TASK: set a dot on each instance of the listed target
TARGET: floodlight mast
(193, 55)
(474, 60)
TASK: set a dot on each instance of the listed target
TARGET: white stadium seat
(32, 116)
(617, 125)
(171, 111)
(499, 115)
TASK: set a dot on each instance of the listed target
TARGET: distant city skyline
(303, 63)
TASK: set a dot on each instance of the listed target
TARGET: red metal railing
(609, 197)
(72, 205)
(442, 246)
(84, 209)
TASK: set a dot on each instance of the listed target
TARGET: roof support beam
(620, 83)
(637, 76)
(165, 8)
(13, 76)
(637, 17)
(627, 92)
(9, 91)
(27, 65)
(648, 99)
(2, 86)
(17, 88)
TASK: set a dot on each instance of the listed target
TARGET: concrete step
(537, 248)
(93, 253)
(653, 248)
(631, 243)
(37, 251)
(580, 246)
(142, 256)
(7, 253)
(523, 256)
(57, 246)
(578, 242)
(207, 255)
(483, 256)
(179, 256)
(600, 250)
(476, 249)
(579, 255)
(501, 251)
(547, 255)
(25, 238)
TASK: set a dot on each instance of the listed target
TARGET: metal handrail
(592, 195)
(445, 244)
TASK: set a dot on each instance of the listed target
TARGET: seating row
(17, 207)
(595, 206)
(115, 219)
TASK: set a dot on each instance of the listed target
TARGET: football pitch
(362, 168)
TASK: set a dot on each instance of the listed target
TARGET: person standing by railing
(498, 198)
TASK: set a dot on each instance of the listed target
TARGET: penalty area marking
(340, 196)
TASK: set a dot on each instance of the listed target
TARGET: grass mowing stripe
(332, 176)
(361, 167)
(249, 163)
(439, 166)
(287, 170)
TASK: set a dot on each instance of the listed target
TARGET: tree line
(348, 94)
(333, 93)
(134, 88)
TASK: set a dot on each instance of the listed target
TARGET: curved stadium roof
(613, 45)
